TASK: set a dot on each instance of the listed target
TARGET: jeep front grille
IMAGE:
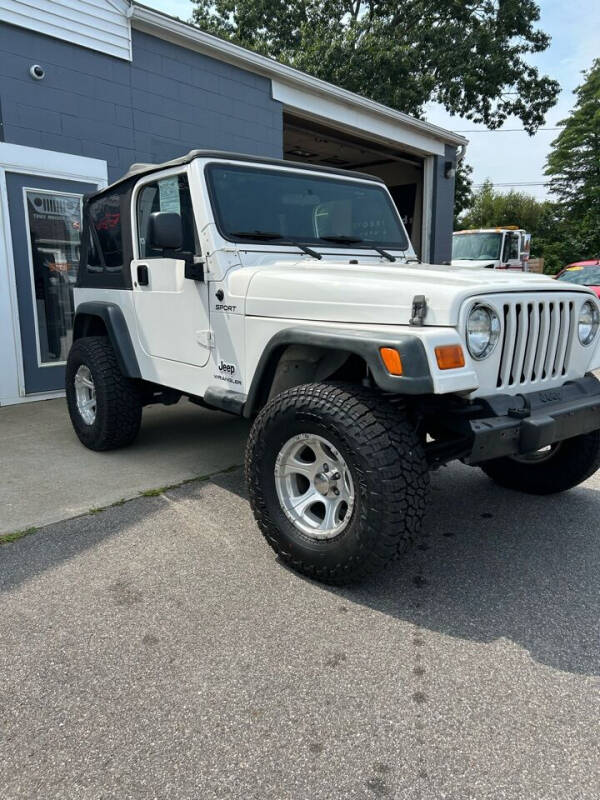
(537, 341)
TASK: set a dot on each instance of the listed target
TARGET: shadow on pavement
(48, 548)
(190, 423)
(494, 563)
(491, 564)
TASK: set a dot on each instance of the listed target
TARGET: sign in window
(54, 227)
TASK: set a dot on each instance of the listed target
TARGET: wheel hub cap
(322, 484)
(314, 486)
(85, 394)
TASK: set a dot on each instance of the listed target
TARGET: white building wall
(101, 25)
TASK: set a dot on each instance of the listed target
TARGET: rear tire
(572, 462)
(109, 416)
(384, 478)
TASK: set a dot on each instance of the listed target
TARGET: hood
(467, 263)
(372, 294)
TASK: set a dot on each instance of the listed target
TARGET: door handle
(142, 275)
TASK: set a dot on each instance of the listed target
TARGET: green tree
(469, 55)
(490, 208)
(574, 170)
(463, 190)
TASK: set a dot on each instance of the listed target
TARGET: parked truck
(504, 247)
(289, 294)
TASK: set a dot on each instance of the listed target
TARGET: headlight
(589, 319)
(483, 331)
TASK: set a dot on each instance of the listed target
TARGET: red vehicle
(584, 273)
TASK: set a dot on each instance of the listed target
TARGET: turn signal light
(450, 356)
(391, 359)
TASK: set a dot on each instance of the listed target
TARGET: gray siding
(166, 102)
(442, 218)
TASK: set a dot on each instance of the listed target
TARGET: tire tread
(575, 461)
(118, 421)
(397, 463)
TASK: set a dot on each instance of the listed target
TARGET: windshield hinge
(205, 339)
(419, 310)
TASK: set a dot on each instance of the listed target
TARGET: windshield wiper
(355, 240)
(269, 236)
(257, 235)
(384, 253)
(308, 250)
(342, 239)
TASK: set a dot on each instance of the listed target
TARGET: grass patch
(196, 479)
(6, 538)
(155, 492)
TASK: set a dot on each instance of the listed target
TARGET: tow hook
(520, 413)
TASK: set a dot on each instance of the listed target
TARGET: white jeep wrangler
(291, 294)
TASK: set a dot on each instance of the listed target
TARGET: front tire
(104, 406)
(337, 480)
(557, 469)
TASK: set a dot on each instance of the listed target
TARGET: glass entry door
(45, 220)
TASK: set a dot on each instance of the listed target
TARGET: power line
(517, 183)
(506, 130)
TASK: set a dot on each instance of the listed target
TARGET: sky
(513, 157)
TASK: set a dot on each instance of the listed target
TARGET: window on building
(54, 224)
(168, 194)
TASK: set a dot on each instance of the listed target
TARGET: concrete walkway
(46, 475)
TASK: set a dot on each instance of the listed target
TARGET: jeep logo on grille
(550, 396)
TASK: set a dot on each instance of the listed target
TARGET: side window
(514, 247)
(511, 247)
(94, 259)
(168, 194)
(105, 250)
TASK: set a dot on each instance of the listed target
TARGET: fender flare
(416, 379)
(116, 327)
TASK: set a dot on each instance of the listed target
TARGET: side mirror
(166, 230)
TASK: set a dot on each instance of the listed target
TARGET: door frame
(33, 162)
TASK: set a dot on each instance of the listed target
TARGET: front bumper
(508, 425)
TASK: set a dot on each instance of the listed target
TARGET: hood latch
(419, 310)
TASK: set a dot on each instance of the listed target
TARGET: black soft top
(137, 170)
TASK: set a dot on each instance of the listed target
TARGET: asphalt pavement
(158, 649)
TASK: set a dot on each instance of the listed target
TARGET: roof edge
(160, 24)
(138, 170)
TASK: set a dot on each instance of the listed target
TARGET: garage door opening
(402, 172)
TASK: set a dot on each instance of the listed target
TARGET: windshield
(262, 205)
(476, 246)
(584, 276)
